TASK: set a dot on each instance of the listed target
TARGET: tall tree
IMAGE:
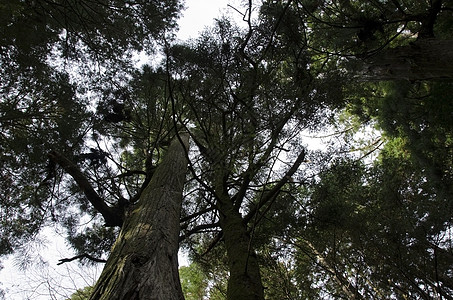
(62, 161)
(247, 98)
(143, 263)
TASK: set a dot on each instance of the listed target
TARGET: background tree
(82, 294)
(349, 278)
(391, 40)
(247, 99)
(194, 282)
(405, 111)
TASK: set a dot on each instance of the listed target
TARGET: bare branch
(84, 255)
(271, 195)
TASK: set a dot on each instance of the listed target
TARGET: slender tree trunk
(244, 282)
(143, 263)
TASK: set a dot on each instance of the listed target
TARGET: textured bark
(143, 264)
(244, 282)
(245, 279)
(425, 59)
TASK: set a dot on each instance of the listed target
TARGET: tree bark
(425, 59)
(143, 264)
(244, 282)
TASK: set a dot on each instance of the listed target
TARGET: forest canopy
(214, 148)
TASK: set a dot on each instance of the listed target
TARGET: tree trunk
(143, 263)
(425, 59)
(244, 282)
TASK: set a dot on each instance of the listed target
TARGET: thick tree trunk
(143, 263)
(425, 59)
(244, 282)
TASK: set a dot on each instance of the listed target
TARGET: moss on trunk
(144, 260)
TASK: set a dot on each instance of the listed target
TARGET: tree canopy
(98, 147)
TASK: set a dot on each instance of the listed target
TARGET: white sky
(35, 283)
(201, 13)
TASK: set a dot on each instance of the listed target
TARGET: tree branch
(112, 216)
(84, 255)
(198, 229)
(276, 189)
(429, 20)
(254, 167)
(196, 214)
(213, 243)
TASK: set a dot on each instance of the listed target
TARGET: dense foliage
(265, 214)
